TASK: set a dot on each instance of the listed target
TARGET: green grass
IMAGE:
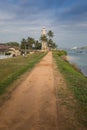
(77, 83)
(12, 68)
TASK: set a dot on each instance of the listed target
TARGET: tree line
(32, 44)
(49, 39)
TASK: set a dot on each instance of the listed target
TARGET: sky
(25, 18)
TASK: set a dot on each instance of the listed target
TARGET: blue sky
(66, 18)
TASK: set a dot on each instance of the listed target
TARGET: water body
(4, 56)
(79, 57)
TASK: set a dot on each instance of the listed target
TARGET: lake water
(79, 57)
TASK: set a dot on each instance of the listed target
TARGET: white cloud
(19, 21)
(6, 16)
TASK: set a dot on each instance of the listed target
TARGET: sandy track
(33, 103)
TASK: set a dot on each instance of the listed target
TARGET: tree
(51, 44)
(23, 44)
(50, 41)
(43, 38)
(30, 42)
(54, 45)
(12, 44)
(37, 45)
(50, 34)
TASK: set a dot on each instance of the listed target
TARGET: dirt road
(33, 103)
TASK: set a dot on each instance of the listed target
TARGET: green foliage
(51, 44)
(50, 34)
(30, 44)
(37, 45)
(75, 79)
(60, 52)
(7, 53)
(48, 38)
(77, 82)
(43, 38)
(23, 43)
(12, 68)
(12, 44)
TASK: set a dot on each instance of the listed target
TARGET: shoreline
(75, 65)
(69, 58)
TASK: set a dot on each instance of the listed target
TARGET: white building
(44, 43)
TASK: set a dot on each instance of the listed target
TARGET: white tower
(44, 43)
(43, 31)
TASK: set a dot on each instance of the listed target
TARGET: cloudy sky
(66, 18)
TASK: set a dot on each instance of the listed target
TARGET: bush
(7, 53)
(60, 52)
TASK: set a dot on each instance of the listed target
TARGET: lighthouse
(44, 43)
(43, 31)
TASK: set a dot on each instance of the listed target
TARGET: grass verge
(12, 68)
(77, 83)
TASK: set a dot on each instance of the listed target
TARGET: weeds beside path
(72, 96)
(33, 103)
(12, 68)
(45, 100)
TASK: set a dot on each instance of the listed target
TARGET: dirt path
(33, 104)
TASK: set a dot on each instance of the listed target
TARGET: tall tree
(37, 45)
(43, 38)
(50, 34)
(50, 41)
(31, 42)
(23, 43)
(51, 44)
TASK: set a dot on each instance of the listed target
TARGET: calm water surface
(79, 58)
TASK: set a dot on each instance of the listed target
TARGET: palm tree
(43, 38)
(50, 41)
(37, 45)
(23, 43)
(30, 42)
(50, 34)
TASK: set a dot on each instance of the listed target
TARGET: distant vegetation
(85, 47)
(60, 52)
(49, 39)
(32, 44)
(12, 44)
